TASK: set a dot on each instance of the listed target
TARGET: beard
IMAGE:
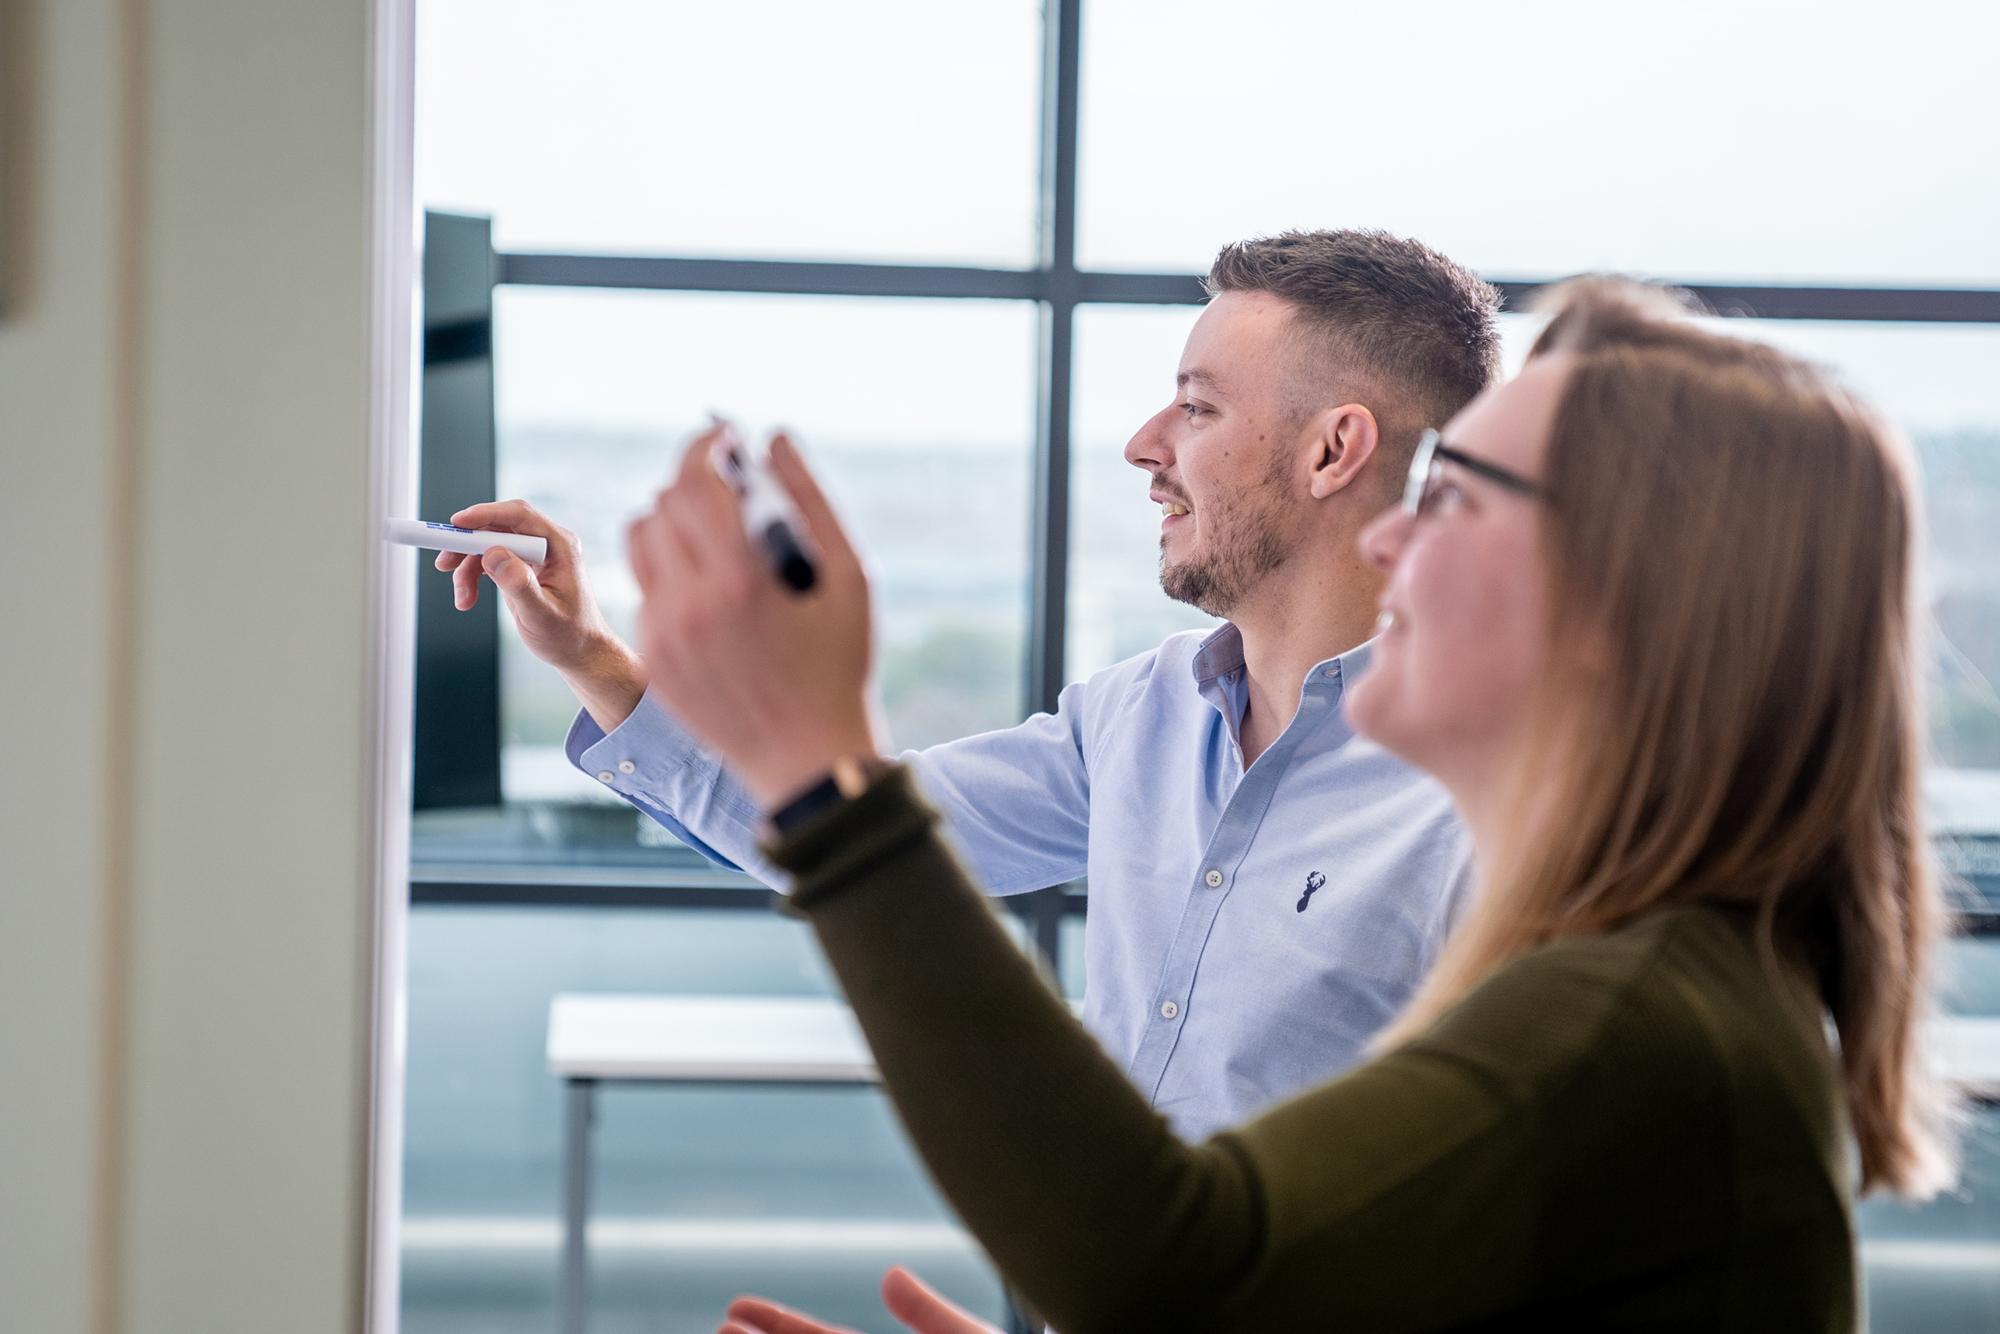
(1247, 541)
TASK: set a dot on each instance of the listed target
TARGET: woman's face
(1463, 647)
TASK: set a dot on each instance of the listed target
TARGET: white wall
(188, 692)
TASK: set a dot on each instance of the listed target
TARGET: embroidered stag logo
(1313, 882)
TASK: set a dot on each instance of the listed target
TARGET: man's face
(1222, 452)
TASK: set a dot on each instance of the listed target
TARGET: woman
(1648, 617)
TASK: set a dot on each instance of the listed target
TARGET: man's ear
(1342, 442)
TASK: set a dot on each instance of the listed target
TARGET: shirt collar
(1222, 653)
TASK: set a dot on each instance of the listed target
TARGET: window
(780, 128)
(1125, 361)
(956, 250)
(1935, 383)
(918, 414)
(1707, 141)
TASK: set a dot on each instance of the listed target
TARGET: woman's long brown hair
(1737, 536)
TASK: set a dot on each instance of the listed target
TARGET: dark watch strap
(849, 778)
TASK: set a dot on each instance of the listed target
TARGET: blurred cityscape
(946, 533)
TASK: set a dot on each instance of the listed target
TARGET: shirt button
(1213, 879)
(1330, 673)
(1168, 1009)
(626, 766)
(604, 777)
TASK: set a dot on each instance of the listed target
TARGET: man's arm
(552, 607)
(1016, 802)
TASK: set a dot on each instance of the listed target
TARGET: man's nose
(1148, 447)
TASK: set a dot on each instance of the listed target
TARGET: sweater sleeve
(1402, 1192)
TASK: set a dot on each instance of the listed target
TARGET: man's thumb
(513, 576)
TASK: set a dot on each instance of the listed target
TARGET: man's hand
(771, 680)
(551, 606)
(918, 1307)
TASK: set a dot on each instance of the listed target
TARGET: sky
(1746, 141)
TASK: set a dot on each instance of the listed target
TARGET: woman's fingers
(924, 1310)
(709, 506)
(815, 511)
(771, 1318)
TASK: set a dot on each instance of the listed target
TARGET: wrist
(846, 781)
(779, 778)
(602, 661)
(608, 679)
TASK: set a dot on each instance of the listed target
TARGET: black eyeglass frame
(1432, 451)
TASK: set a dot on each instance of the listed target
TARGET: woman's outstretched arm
(1079, 1190)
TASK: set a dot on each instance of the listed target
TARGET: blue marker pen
(471, 541)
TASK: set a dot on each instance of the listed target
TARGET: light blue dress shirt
(1248, 931)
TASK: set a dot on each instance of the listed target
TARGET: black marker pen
(767, 516)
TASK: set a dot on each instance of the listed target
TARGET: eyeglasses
(1427, 470)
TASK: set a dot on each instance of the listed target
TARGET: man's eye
(1191, 410)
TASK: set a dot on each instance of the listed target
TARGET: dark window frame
(1058, 287)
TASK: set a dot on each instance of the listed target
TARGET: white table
(1967, 1052)
(681, 1040)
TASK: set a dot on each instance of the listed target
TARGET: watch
(850, 776)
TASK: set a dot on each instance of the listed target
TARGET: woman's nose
(1382, 540)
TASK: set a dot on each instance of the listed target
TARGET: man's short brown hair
(1383, 321)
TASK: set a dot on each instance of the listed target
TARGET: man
(1266, 889)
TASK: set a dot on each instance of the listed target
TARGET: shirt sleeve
(1405, 1187)
(653, 762)
(1015, 802)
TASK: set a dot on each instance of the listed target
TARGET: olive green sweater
(1633, 1131)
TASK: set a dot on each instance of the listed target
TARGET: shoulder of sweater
(1581, 1000)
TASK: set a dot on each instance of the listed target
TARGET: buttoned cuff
(645, 753)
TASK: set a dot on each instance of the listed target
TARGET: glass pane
(700, 1193)
(781, 129)
(1708, 140)
(1125, 362)
(916, 414)
(1937, 383)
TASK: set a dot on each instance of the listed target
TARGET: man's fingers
(514, 516)
(515, 578)
(518, 516)
(449, 560)
(822, 526)
(465, 583)
(923, 1309)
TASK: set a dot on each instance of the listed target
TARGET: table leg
(579, 1111)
